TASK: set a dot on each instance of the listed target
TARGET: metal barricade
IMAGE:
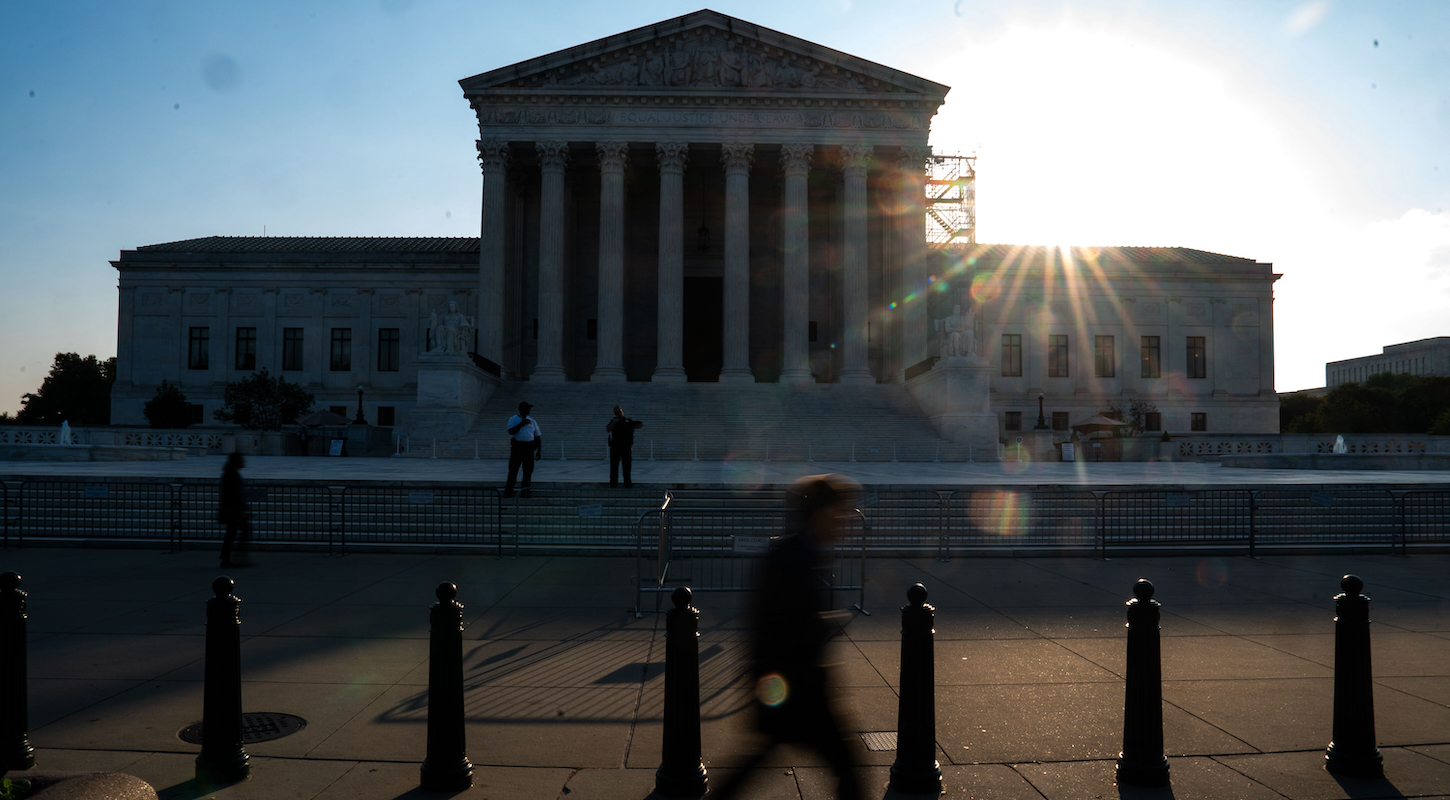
(909, 522)
(595, 519)
(71, 510)
(1337, 516)
(11, 510)
(1424, 517)
(719, 550)
(1172, 516)
(433, 516)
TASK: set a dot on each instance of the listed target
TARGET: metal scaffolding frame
(951, 199)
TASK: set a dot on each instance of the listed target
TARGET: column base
(669, 375)
(857, 377)
(608, 375)
(548, 374)
(799, 375)
(737, 375)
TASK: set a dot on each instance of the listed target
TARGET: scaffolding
(951, 199)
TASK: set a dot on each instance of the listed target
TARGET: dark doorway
(704, 351)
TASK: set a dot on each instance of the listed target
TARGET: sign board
(1067, 451)
(591, 509)
(1178, 500)
(1019, 440)
(418, 498)
(1321, 499)
(875, 449)
(334, 448)
(751, 545)
(96, 491)
(870, 499)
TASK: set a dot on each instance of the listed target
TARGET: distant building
(1423, 357)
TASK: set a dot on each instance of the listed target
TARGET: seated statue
(958, 333)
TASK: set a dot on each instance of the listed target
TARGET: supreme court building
(703, 200)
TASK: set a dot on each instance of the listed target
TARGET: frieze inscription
(868, 120)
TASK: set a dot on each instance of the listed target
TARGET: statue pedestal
(451, 390)
(1043, 448)
(956, 396)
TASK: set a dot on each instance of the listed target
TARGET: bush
(1441, 425)
(1135, 414)
(168, 409)
(77, 390)
(1383, 403)
(263, 403)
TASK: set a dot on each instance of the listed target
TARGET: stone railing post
(222, 760)
(916, 770)
(15, 749)
(1353, 751)
(681, 772)
(1142, 762)
(446, 768)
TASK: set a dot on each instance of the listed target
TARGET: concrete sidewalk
(565, 686)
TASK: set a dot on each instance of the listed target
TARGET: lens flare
(984, 289)
(1212, 573)
(772, 689)
(1000, 513)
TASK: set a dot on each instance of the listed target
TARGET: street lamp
(360, 419)
(1041, 418)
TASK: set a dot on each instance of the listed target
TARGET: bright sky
(1313, 135)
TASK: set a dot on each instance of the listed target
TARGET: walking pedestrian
(791, 636)
(232, 509)
(526, 445)
(621, 442)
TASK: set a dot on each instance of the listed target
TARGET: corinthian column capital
(671, 156)
(553, 156)
(612, 156)
(493, 155)
(737, 156)
(912, 157)
(856, 158)
(796, 158)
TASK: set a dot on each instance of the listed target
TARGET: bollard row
(1142, 762)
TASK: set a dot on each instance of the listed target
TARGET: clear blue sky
(1314, 135)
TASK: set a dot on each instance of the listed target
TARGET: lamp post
(360, 419)
(1041, 419)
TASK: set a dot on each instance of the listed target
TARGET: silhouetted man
(232, 508)
(621, 441)
(791, 636)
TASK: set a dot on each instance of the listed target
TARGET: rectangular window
(341, 349)
(385, 416)
(1152, 421)
(291, 348)
(1105, 362)
(1199, 422)
(1012, 358)
(1059, 420)
(1152, 358)
(1014, 420)
(1057, 364)
(388, 349)
(1197, 357)
(246, 348)
(198, 349)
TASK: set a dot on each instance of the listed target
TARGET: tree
(77, 390)
(263, 403)
(168, 409)
(7, 419)
(1135, 414)
(1383, 403)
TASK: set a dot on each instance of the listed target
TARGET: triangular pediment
(704, 53)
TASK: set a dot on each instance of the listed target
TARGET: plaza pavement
(565, 687)
(681, 473)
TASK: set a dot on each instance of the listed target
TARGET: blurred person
(791, 635)
(232, 509)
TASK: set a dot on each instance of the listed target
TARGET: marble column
(911, 295)
(669, 364)
(609, 358)
(795, 159)
(493, 158)
(855, 161)
(737, 158)
(553, 156)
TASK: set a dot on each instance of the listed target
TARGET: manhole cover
(262, 726)
(879, 740)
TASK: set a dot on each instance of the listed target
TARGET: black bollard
(222, 759)
(681, 772)
(15, 749)
(1353, 751)
(1142, 762)
(916, 770)
(446, 767)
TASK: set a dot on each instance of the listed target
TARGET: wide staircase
(713, 422)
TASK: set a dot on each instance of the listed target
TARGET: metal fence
(719, 549)
(918, 522)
